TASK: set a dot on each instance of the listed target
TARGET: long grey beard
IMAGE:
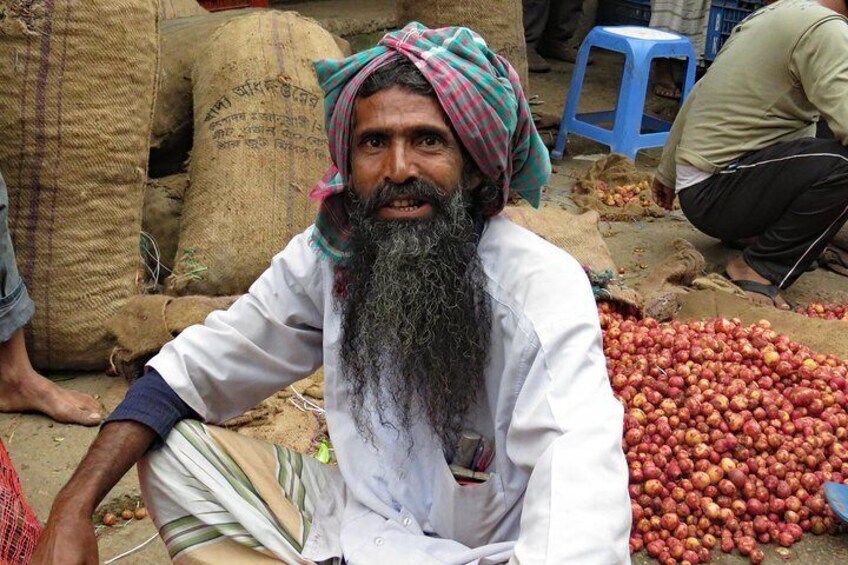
(416, 317)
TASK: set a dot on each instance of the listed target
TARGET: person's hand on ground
(663, 195)
(67, 539)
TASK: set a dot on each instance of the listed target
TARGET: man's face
(398, 137)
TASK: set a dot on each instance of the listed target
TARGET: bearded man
(439, 324)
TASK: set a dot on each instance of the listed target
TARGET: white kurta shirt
(558, 487)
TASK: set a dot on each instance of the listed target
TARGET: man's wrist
(662, 178)
(73, 503)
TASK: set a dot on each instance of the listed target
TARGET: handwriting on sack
(299, 134)
(267, 87)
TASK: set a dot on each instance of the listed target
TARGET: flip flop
(837, 497)
(768, 290)
(670, 92)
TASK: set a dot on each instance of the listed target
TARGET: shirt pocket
(468, 514)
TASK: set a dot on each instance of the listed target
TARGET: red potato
(731, 431)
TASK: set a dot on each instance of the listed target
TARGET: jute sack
(840, 240)
(664, 286)
(288, 417)
(181, 41)
(835, 255)
(580, 237)
(148, 322)
(163, 207)
(171, 9)
(77, 82)
(259, 146)
(601, 181)
(499, 22)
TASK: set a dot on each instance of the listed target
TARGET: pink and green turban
(479, 91)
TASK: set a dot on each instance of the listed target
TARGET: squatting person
(742, 155)
(435, 320)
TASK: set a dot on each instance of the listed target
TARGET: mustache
(387, 191)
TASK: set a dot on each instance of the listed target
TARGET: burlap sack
(840, 240)
(580, 237)
(664, 286)
(835, 255)
(499, 22)
(181, 41)
(259, 146)
(77, 82)
(282, 420)
(171, 9)
(292, 417)
(608, 173)
(163, 207)
(148, 322)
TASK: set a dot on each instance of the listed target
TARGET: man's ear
(473, 179)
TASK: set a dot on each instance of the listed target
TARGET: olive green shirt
(782, 69)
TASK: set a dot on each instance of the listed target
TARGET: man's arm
(68, 536)
(567, 430)
(667, 168)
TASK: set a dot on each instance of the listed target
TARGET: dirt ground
(46, 454)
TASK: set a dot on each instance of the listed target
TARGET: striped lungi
(219, 497)
(687, 18)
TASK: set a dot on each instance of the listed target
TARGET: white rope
(155, 255)
(133, 550)
(307, 404)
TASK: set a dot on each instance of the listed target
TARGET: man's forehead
(399, 107)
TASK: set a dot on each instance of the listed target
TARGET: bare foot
(665, 85)
(24, 390)
(35, 393)
(738, 270)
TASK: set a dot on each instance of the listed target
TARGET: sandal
(770, 291)
(666, 91)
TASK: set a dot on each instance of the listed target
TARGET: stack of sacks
(250, 112)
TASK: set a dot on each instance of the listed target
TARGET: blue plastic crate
(625, 12)
(724, 16)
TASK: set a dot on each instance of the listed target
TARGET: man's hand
(67, 539)
(663, 195)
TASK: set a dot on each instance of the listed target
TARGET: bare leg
(22, 389)
(738, 269)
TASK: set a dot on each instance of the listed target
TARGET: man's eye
(431, 141)
(371, 142)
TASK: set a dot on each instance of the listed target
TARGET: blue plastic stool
(640, 45)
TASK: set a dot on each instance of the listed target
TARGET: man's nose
(400, 165)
